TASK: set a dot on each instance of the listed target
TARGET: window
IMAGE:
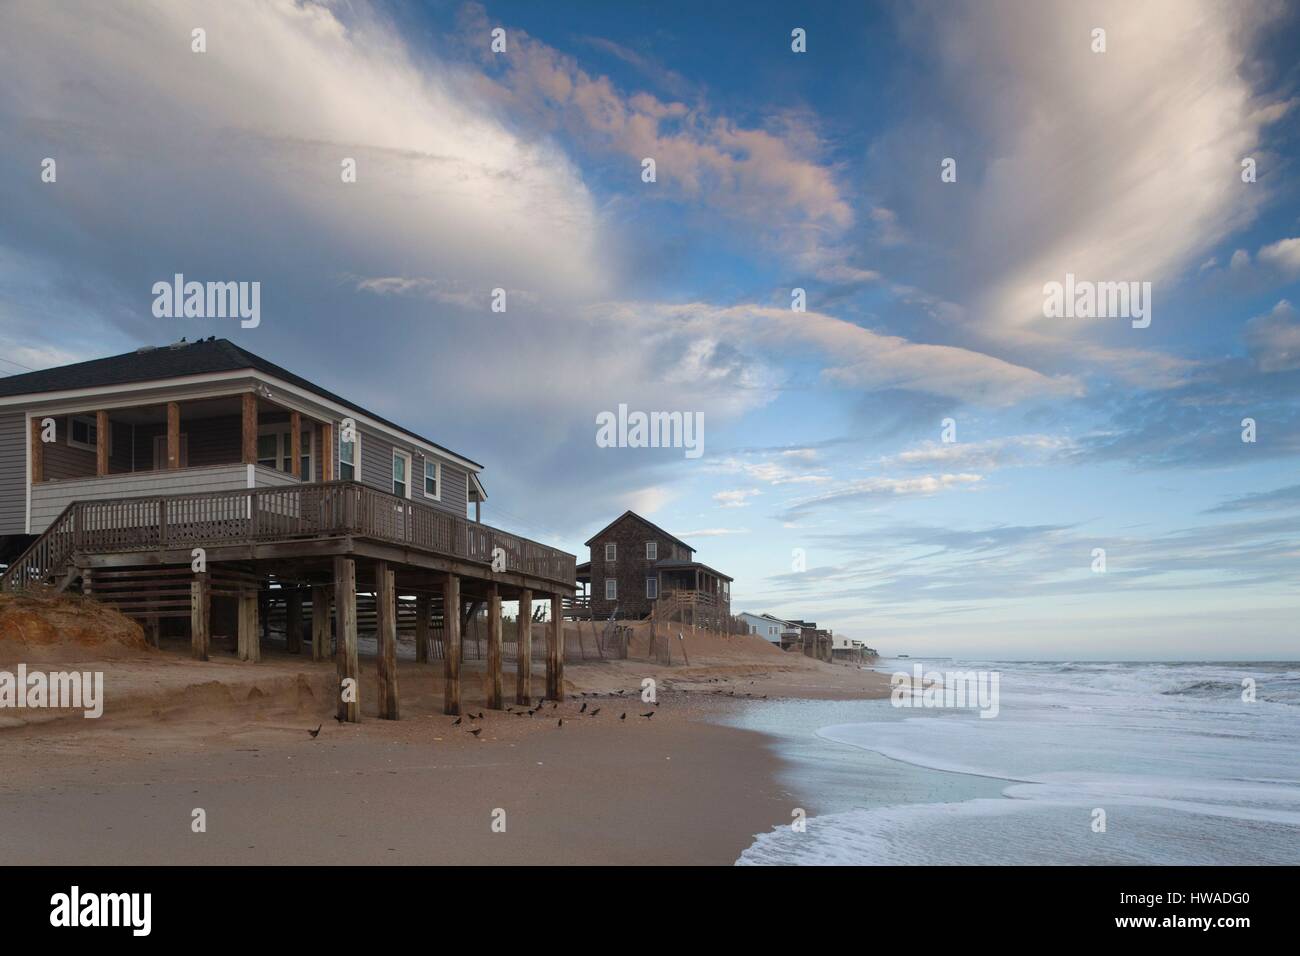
(652, 550)
(83, 432)
(611, 589)
(401, 474)
(652, 588)
(275, 449)
(349, 455)
(611, 552)
(432, 478)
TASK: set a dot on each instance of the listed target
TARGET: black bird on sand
(623, 716)
(456, 722)
(561, 723)
(595, 711)
(651, 714)
(316, 732)
(476, 731)
(583, 709)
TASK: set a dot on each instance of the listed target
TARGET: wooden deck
(317, 519)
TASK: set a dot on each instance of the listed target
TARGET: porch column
(200, 616)
(422, 603)
(524, 650)
(250, 641)
(101, 444)
(345, 604)
(555, 651)
(38, 451)
(320, 623)
(386, 636)
(451, 645)
(327, 451)
(248, 429)
(494, 648)
(173, 435)
(295, 444)
(293, 620)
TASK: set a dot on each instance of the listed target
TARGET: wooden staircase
(48, 562)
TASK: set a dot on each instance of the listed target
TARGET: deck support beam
(200, 616)
(524, 650)
(327, 451)
(494, 696)
(451, 645)
(422, 605)
(293, 620)
(555, 651)
(345, 605)
(320, 623)
(386, 636)
(250, 637)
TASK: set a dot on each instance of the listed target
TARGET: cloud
(738, 498)
(1276, 500)
(1284, 255)
(855, 357)
(1274, 339)
(710, 532)
(774, 176)
(869, 489)
(986, 455)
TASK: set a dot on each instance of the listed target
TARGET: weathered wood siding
(13, 473)
(630, 567)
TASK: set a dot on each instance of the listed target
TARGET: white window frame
(652, 550)
(283, 433)
(611, 552)
(611, 589)
(397, 452)
(437, 479)
(652, 584)
(355, 463)
(90, 422)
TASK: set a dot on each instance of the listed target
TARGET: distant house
(636, 565)
(764, 626)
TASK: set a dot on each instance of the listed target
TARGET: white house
(765, 627)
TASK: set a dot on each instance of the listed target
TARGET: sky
(925, 456)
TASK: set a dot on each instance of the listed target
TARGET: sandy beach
(233, 739)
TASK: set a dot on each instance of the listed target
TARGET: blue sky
(775, 170)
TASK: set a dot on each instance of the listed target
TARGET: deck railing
(287, 513)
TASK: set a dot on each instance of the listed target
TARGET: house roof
(671, 565)
(177, 361)
(649, 524)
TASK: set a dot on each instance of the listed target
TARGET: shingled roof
(176, 361)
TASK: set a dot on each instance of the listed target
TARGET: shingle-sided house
(636, 564)
(117, 474)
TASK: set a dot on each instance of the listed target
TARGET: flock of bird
(533, 711)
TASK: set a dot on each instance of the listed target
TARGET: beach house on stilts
(197, 486)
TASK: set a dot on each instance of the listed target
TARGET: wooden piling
(320, 623)
(524, 650)
(422, 604)
(494, 695)
(451, 645)
(345, 603)
(293, 620)
(386, 636)
(555, 651)
(200, 616)
(250, 636)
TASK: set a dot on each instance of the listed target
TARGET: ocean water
(1185, 770)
